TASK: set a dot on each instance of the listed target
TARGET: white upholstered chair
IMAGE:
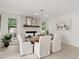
(42, 48)
(56, 42)
(25, 47)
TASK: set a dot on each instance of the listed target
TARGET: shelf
(30, 26)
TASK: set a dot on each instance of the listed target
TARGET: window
(11, 23)
(12, 26)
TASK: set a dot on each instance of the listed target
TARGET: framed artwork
(29, 20)
(64, 24)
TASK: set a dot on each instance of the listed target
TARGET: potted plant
(6, 39)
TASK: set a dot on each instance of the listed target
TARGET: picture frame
(64, 24)
(29, 20)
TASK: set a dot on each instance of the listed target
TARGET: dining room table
(34, 39)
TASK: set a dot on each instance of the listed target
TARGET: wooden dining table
(32, 39)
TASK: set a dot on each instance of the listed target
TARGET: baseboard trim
(71, 44)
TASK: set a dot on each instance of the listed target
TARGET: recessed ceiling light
(36, 14)
(46, 16)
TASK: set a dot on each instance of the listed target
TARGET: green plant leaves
(6, 38)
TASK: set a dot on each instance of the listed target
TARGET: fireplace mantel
(30, 26)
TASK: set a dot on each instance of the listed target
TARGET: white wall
(52, 25)
(70, 37)
(4, 23)
(21, 19)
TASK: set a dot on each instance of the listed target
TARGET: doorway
(12, 28)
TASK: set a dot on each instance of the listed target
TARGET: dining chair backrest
(20, 38)
(56, 45)
(25, 47)
(44, 45)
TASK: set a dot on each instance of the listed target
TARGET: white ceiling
(29, 7)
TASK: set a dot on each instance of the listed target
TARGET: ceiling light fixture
(42, 13)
